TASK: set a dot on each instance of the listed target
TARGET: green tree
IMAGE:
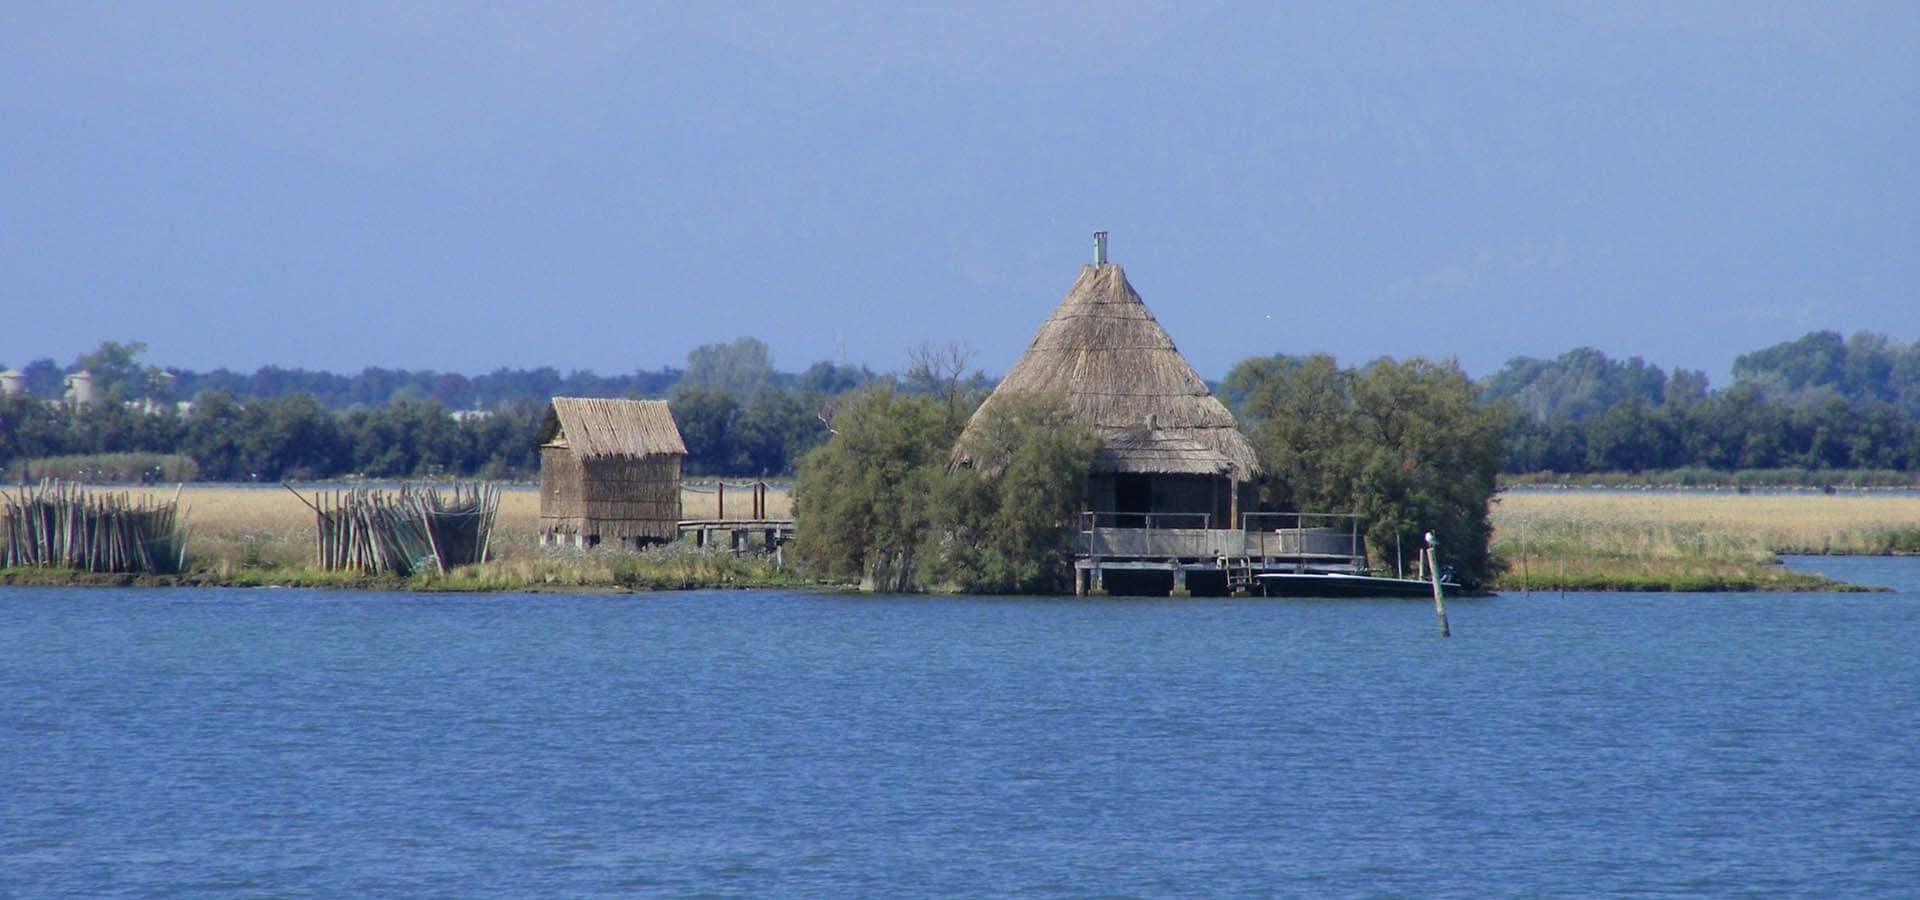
(1007, 523)
(775, 429)
(1404, 445)
(741, 368)
(296, 439)
(863, 501)
(939, 370)
(1629, 437)
(214, 437)
(1299, 412)
(707, 420)
(1577, 384)
(502, 440)
(30, 427)
(117, 373)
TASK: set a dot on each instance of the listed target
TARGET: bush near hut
(877, 502)
(862, 503)
(1008, 521)
(1403, 445)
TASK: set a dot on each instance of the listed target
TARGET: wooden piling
(63, 525)
(1433, 574)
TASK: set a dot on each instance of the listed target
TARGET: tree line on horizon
(1821, 402)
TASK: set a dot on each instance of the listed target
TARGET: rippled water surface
(280, 742)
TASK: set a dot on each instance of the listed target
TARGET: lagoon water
(307, 743)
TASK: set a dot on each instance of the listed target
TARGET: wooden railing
(1320, 541)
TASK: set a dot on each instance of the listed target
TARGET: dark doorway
(1132, 494)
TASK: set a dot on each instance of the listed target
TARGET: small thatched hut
(1167, 445)
(609, 470)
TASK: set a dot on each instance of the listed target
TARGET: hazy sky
(463, 186)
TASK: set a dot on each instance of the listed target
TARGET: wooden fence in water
(399, 532)
(63, 525)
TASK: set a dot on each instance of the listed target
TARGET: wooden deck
(740, 535)
(1177, 554)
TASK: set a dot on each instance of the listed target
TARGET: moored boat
(1341, 584)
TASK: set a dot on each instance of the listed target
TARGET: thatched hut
(609, 470)
(1167, 445)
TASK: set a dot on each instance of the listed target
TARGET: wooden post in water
(1433, 573)
(1526, 575)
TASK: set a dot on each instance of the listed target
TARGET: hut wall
(562, 492)
(1207, 494)
(633, 498)
(1191, 494)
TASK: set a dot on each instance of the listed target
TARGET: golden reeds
(1686, 539)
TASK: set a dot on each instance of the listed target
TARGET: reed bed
(674, 566)
(1673, 540)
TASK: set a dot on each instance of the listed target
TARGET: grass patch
(245, 536)
(103, 467)
(676, 566)
(1699, 540)
(1743, 479)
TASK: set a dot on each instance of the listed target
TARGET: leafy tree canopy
(1007, 523)
(741, 368)
(1579, 383)
(863, 501)
(877, 502)
(1404, 445)
(1864, 369)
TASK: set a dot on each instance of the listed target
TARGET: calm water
(279, 742)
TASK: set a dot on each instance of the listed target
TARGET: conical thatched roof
(595, 428)
(1103, 351)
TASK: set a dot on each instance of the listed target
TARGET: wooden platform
(1180, 554)
(740, 535)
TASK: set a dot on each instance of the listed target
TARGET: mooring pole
(1433, 573)
(1526, 574)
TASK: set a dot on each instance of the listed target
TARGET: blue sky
(605, 186)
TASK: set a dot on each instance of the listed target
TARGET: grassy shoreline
(1664, 540)
(1553, 539)
(247, 536)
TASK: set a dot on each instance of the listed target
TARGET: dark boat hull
(1314, 584)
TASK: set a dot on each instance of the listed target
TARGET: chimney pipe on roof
(1100, 248)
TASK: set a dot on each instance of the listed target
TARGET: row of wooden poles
(757, 498)
(400, 531)
(63, 525)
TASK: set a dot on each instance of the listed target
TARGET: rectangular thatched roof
(594, 427)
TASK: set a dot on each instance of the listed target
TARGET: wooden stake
(1526, 576)
(1433, 572)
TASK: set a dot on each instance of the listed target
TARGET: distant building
(80, 388)
(13, 381)
(609, 471)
